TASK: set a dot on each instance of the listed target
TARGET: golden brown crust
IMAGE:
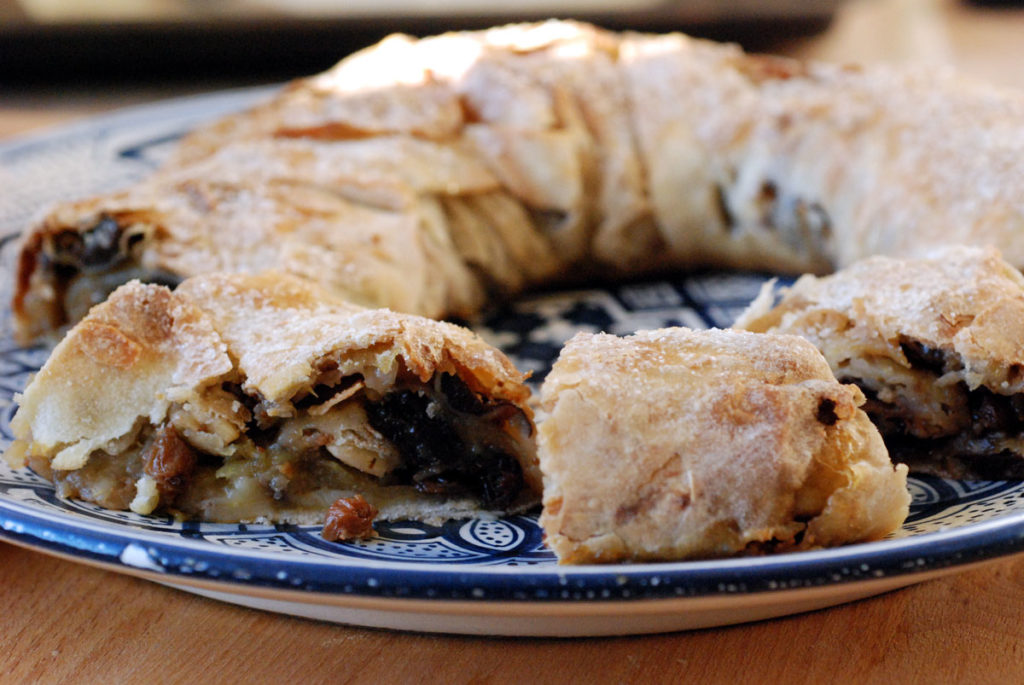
(278, 327)
(676, 444)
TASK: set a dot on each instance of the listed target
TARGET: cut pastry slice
(676, 444)
(936, 344)
(263, 398)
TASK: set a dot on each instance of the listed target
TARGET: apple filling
(238, 457)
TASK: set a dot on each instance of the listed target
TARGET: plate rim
(559, 619)
(126, 547)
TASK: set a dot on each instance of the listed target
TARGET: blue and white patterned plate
(476, 576)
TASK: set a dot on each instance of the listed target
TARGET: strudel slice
(263, 398)
(675, 444)
(936, 344)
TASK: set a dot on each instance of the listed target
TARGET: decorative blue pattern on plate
(952, 523)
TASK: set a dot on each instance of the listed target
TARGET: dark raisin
(438, 485)
(992, 413)
(1015, 404)
(501, 479)
(426, 443)
(460, 397)
(985, 413)
(437, 460)
(95, 248)
(924, 357)
(827, 412)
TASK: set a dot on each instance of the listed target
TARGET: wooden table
(67, 622)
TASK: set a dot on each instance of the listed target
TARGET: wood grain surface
(65, 622)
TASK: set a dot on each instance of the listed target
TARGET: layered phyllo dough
(431, 176)
(937, 346)
(264, 398)
(674, 444)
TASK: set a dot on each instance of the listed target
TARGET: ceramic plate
(476, 576)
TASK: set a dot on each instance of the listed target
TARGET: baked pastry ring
(673, 444)
(936, 344)
(477, 164)
(264, 398)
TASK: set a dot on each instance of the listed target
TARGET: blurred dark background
(76, 41)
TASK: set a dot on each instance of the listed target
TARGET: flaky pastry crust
(675, 444)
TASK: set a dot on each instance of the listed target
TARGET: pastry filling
(442, 440)
(935, 423)
(239, 456)
(801, 224)
(84, 267)
(989, 444)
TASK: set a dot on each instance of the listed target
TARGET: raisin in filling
(924, 357)
(992, 413)
(170, 461)
(438, 459)
(99, 247)
(86, 266)
(976, 449)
